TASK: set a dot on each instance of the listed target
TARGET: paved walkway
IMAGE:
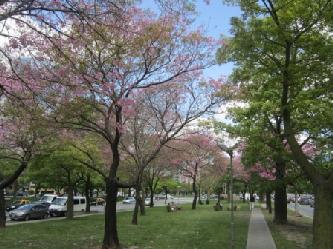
(259, 235)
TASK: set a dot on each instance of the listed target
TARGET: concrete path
(259, 235)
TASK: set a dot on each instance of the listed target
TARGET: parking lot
(100, 209)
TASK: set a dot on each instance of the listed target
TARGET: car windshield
(47, 198)
(24, 207)
(59, 201)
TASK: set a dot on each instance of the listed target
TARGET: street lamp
(230, 152)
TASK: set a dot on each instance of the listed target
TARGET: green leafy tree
(283, 49)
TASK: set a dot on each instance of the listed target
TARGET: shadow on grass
(296, 234)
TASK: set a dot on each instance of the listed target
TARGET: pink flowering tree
(90, 76)
(195, 154)
(160, 115)
(19, 19)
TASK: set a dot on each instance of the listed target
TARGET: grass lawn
(202, 228)
(297, 234)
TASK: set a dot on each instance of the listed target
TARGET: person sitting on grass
(218, 206)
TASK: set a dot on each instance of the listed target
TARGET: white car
(129, 200)
(162, 197)
(59, 205)
(48, 198)
(147, 201)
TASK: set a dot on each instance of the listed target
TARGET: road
(304, 210)
(100, 209)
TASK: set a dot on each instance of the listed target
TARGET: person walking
(252, 201)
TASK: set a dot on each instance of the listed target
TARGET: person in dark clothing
(252, 200)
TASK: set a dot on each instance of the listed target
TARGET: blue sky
(215, 17)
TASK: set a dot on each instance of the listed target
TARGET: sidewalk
(259, 235)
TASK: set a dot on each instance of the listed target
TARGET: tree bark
(111, 240)
(70, 204)
(138, 203)
(194, 189)
(152, 192)
(2, 209)
(280, 202)
(142, 205)
(268, 201)
(87, 191)
(135, 213)
(219, 197)
(323, 217)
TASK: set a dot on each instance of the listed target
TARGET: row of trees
(283, 55)
(89, 87)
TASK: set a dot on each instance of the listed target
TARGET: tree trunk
(129, 194)
(228, 191)
(219, 197)
(142, 205)
(152, 192)
(111, 240)
(280, 202)
(199, 195)
(2, 209)
(87, 193)
(243, 194)
(323, 217)
(194, 189)
(70, 204)
(135, 214)
(137, 205)
(268, 201)
(261, 197)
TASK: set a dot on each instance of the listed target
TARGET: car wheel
(45, 216)
(27, 217)
(64, 214)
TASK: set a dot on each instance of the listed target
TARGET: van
(59, 205)
(48, 198)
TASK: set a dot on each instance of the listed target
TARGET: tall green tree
(283, 49)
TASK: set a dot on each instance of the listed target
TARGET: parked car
(22, 194)
(304, 200)
(59, 205)
(46, 204)
(29, 211)
(129, 200)
(17, 204)
(311, 203)
(290, 198)
(48, 198)
(147, 201)
(162, 196)
(97, 201)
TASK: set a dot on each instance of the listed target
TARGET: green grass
(296, 234)
(202, 228)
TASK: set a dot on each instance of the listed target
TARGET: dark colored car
(46, 204)
(305, 200)
(29, 211)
